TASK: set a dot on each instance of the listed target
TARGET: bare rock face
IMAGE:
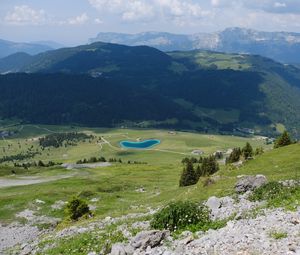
(140, 243)
(118, 249)
(249, 183)
(150, 238)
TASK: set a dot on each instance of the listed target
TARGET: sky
(73, 22)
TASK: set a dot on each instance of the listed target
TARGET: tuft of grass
(268, 191)
(99, 241)
(278, 195)
(278, 235)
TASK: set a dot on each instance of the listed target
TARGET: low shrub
(278, 195)
(268, 191)
(76, 208)
(180, 215)
(86, 194)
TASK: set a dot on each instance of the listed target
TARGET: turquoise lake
(140, 145)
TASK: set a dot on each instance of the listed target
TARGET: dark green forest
(109, 85)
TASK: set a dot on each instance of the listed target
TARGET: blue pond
(140, 145)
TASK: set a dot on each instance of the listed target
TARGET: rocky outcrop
(246, 236)
(249, 183)
(150, 238)
(225, 207)
(145, 240)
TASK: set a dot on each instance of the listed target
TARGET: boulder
(150, 238)
(118, 249)
(251, 183)
(213, 203)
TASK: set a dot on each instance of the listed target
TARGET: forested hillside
(112, 85)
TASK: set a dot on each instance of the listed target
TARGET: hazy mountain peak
(281, 46)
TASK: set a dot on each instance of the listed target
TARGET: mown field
(116, 190)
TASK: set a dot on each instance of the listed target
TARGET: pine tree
(188, 176)
(283, 140)
(199, 172)
(209, 166)
(259, 151)
(234, 156)
(247, 151)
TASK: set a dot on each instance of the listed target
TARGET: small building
(197, 152)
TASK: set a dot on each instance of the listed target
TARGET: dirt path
(168, 151)
(46, 129)
(29, 180)
(109, 144)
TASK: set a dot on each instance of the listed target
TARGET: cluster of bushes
(91, 160)
(77, 208)
(192, 160)
(283, 140)
(136, 162)
(245, 153)
(180, 216)
(56, 140)
(277, 195)
(20, 156)
(40, 163)
(111, 160)
(190, 175)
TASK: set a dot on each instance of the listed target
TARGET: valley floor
(121, 194)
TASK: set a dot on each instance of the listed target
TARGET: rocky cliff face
(251, 228)
(281, 46)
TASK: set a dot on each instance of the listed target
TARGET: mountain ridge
(8, 47)
(280, 46)
(202, 90)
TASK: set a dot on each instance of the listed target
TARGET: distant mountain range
(280, 46)
(7, 47)
(106, 84)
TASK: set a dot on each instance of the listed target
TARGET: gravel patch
(15, 234)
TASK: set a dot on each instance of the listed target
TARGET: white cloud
(181, 8)
(79, 20)
(279, 5)
(137, 10)
(98, 21)
(215, 2)
(24, 15)
(107, 5)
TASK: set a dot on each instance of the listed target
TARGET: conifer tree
(234, 156)
(188, 176)
(199, 172)
(247, 151)
(283, 140)
(259, 151)
(209, 166)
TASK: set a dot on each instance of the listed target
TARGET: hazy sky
(74, 21)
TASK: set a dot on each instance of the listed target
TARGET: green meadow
(116, 187)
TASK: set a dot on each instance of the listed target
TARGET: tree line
(57, 139)
(40, 163)
(206, 166)
(20, 156)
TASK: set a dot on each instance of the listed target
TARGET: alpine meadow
(158, 127)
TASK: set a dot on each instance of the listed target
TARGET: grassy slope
(175, 146)
(114, 185)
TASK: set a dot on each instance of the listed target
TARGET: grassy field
(219, 60)
(173, 147)
(116, 190)
(115, 186)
